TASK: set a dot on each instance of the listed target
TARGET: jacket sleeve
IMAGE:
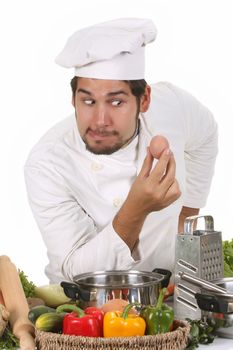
(73, 244)
(201, 148)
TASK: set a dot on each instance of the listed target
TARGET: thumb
(147, 165)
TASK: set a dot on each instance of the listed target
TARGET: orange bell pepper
(121, 324)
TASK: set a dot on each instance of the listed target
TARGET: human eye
(88, 101)
(116, 103)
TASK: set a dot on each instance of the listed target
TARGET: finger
(161, 167)
(147, 165)
(169, 182)
(169, 176)
(173, 193)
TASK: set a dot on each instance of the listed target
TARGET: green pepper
(159, 318)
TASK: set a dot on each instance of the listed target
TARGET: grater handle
(190, 220)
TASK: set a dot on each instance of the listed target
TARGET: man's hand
(152, 190)
(155, 189)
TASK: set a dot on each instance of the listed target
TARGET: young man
(100, 199)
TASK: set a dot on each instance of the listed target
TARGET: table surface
(218, 344)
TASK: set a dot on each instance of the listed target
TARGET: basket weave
(175, 340)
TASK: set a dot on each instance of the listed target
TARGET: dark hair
(137, 87)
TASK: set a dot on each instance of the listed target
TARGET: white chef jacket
(74, 194)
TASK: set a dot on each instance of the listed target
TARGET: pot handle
(212, 303)
(73, 291)
(166, 276)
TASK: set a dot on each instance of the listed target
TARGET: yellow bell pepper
(121, 324)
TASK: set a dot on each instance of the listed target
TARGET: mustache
(103, 132)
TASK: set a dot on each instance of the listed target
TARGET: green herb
(8, 341)
(28, 286)
(201, 333)
(228, 258)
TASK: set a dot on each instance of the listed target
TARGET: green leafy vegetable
(28, 286)
(228, 258)
(8, 341)
(201, 333)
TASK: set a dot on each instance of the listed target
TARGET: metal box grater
(198, 253)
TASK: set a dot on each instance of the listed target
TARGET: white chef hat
(111, 50)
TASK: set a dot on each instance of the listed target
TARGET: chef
(99, 197)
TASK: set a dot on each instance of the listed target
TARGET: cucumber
(38, 310)
(50, 322)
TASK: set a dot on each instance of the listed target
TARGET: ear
(145, 99)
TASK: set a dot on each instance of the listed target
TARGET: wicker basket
(175, 340)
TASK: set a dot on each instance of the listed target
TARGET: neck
(136, 132)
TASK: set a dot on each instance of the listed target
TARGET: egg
(158, 144)
(115, 305)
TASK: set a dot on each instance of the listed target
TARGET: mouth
(102, 141)
(99, 135)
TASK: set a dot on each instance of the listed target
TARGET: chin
(103, 150)
(100, 149)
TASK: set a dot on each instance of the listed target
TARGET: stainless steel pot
(96, 288)
(218, 307)
(217, 301)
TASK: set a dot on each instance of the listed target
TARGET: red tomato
(170, 290)
(157, 145)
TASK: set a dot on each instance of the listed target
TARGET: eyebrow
(113, 93)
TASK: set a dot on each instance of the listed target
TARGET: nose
(102, 117)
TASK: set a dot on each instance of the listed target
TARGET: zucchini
(38, 310)
(50, 322)
(52, 294)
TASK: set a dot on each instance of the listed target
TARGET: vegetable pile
(95, 322)
(51, 311)
(228, 258)
(116, 318)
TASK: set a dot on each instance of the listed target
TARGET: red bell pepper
(80, 323)
(98, 314)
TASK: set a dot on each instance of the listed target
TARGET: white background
(193, 50)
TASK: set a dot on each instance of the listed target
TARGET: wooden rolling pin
(1, 299)
(16, 303)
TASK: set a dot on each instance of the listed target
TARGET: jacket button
(96, 167)
(117, 202)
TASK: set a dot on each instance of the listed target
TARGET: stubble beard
(107, 150)
(98, 148)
